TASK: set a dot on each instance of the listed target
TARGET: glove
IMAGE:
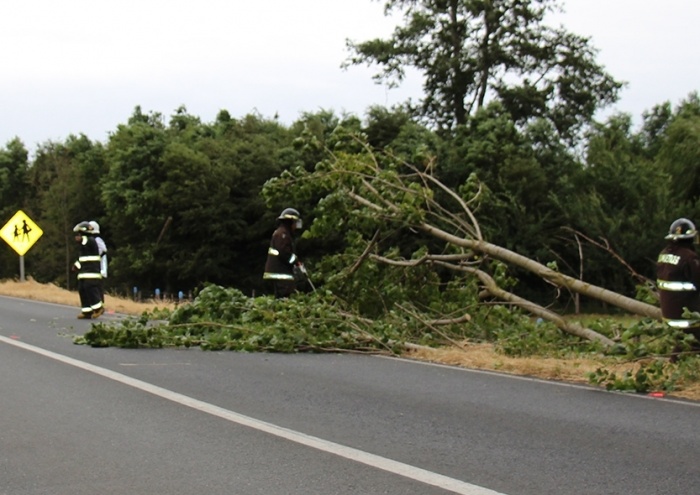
(299, 272)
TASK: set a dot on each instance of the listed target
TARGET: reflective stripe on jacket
(682, 323)
(675, 286)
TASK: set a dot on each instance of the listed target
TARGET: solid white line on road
(391, 466)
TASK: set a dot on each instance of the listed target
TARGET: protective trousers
(90, 291)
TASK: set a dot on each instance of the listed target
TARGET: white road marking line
(391, 466)
(154, 364)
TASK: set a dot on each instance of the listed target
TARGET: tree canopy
(470, 52)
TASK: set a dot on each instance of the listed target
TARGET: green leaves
(222, 318)
(176, 195)
(652, 376)
(643, 358)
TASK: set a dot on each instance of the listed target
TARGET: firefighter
(678, 280)
(281, 255)
(89, 276)
(95, 231)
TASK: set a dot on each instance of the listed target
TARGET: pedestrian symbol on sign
(20, 232)
(26, 229)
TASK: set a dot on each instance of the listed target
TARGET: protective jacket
(678, 281)
(88, 264)
(89, 278)
(280, 255)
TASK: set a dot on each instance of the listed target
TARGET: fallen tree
(387, 194)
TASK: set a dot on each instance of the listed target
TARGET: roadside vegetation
(225, 319)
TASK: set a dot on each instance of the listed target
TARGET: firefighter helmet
(94, 226)
(82, 228)
(291, 214)
(681, 229)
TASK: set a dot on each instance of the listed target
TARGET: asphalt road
(76, 420)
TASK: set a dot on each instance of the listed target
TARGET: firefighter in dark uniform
(281, 256)
(678, 280)
(89, 276)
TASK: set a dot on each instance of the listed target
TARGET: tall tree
(679, 154)
(13, 195)
(255, 149)
(162, 195)
(133, 210)
(183, 199)
(13, 177)
(65, 181)
(473, 51)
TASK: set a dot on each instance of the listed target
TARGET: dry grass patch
(485, 357)
(31, 289)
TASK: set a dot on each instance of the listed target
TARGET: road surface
(77, 420)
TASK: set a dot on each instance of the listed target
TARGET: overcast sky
(81, 66)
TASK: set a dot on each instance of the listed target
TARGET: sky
(82, 66)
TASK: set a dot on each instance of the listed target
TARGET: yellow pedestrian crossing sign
(21, 233)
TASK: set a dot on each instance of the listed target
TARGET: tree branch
(496, 291)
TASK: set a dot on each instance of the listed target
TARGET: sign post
(20, 232)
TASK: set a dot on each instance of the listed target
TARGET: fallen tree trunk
(556, 278)
(492, 287)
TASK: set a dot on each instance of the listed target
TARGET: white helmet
(82, 228)
(291, 214)
(681, 229)
(94, 226)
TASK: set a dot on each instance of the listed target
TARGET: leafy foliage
(176, 194)
(647, 343)
(526, 336)
(222, 318)
(65, 180)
